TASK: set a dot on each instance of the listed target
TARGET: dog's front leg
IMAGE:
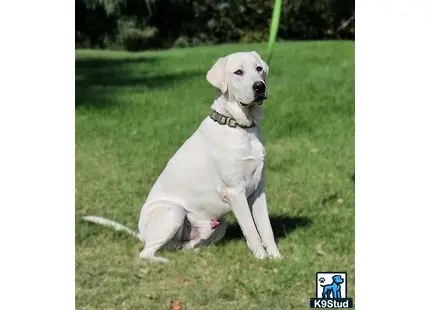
(241, 211)
(258, 204)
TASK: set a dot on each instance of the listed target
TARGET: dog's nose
(259, 87)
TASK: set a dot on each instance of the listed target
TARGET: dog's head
(241, 77)
(337, 279)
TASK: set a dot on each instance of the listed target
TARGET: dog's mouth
(258, 99)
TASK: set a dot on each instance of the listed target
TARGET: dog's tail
(112, 224)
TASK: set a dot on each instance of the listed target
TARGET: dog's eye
(238, 72)
(259, 69)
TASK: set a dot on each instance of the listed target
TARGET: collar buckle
(225, 120)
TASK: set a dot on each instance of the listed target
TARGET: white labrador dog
(219, 169)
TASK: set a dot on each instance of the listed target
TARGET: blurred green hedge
(150, 24)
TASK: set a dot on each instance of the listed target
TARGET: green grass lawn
(134, 110)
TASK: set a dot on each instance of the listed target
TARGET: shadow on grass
(281, 225)
(98, 80)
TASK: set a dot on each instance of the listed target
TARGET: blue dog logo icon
(333, 290)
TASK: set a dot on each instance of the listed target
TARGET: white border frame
(37, 155)
(392, 154)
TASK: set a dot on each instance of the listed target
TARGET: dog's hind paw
(192, 245)
(156, 259)
(153, 258)
(188, 249)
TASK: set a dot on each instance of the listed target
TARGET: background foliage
(152, 24)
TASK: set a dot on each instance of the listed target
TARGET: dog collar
(225, 120)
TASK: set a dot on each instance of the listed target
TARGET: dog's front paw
(279, 256)
(262, 254)
(275, 254)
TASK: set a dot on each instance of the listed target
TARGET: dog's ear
(265, 66)
(216, 75)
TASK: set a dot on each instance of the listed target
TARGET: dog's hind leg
(326, 292)
(159, 228)
(205, 233)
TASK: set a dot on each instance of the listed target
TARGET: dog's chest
(253, 163)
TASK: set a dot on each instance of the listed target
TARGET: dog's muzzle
(259, 89)
(258, 99)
